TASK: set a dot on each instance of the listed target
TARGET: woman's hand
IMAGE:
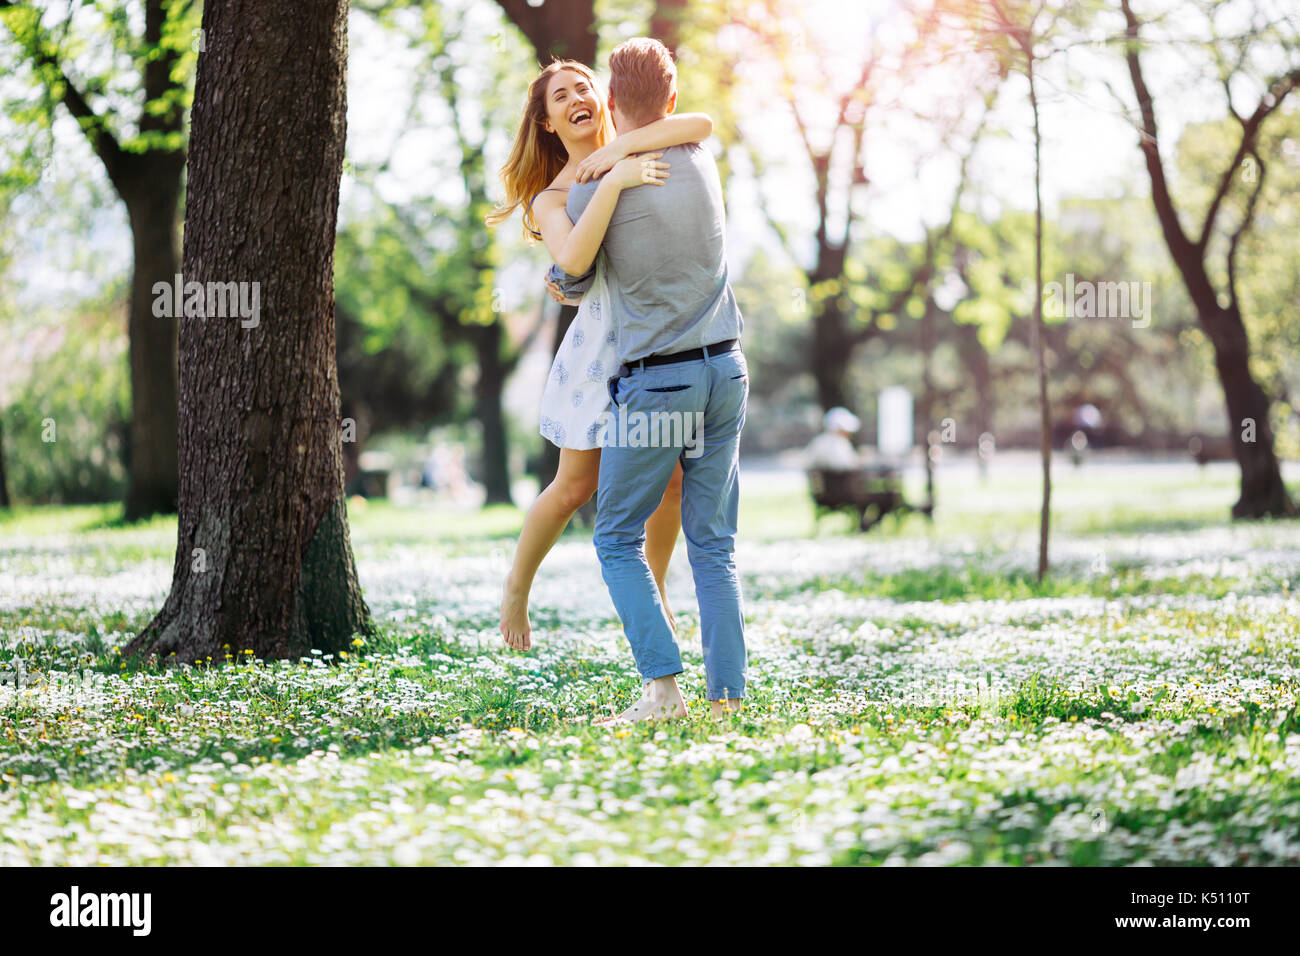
(558, 294)
(600, 162)
(645, 169)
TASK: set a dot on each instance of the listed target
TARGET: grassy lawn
(916, 695)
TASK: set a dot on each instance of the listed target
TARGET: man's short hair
(642, 79)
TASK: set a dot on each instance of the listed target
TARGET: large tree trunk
(832, 352)
(151, 197)
(1262, 489)
(263, 559)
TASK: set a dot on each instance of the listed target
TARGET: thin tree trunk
(4, 481)
(1040, 333)
(263, 558)
(927, 393)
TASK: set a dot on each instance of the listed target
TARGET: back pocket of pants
(669, 388)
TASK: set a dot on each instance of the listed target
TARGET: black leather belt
(690, 355)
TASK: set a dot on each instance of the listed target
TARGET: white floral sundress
(577, 392)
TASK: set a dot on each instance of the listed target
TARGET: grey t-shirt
(666, 259)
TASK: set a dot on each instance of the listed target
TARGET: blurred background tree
(129, 98)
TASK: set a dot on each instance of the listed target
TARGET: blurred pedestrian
(833, 449)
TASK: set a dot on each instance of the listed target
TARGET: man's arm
(670, 131)
(573, 245)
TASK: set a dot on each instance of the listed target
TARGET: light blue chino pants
(694, 411)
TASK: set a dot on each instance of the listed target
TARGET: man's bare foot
(660, 700)
(514, 617)
(724, 708)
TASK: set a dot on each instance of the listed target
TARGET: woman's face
(572, 106)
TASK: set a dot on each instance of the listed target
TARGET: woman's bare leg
(661, 536)
(575, 483)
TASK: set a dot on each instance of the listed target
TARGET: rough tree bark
(263, 558)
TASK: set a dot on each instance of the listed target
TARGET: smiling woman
(539, 154)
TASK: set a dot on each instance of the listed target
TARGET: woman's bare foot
(660, 700)
(514, 617)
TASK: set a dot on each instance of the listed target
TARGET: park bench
(870, 493)
(1204, 448)
(374, 474)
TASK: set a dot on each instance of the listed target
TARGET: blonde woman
(567, 136)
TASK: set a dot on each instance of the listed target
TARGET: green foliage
(79, 396)
(51, 45)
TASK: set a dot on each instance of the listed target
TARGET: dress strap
(560, 189)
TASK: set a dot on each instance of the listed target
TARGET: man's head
(642, 83)
(841, 421)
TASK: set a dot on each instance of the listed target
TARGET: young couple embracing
(629, 205)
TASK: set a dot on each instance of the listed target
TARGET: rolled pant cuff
(726, 693)
(664, 670)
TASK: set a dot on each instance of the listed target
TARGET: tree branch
(1241, 229)
(1278, 90)
(94, 126)
(1180, 245)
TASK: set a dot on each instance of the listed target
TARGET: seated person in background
(833, 449)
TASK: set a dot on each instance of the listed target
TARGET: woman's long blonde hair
(538, 156)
